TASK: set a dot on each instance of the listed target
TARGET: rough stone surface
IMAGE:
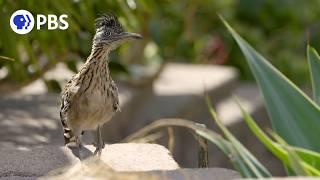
(33, 162)
(138, 157)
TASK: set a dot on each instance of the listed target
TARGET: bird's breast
(92, 107)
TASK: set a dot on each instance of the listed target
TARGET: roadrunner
(90, 98)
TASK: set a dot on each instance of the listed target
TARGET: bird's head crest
(109, 22)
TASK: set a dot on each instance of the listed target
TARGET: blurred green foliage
(173, 30)
(282, 30)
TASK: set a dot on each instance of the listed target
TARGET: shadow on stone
(81, 153)
(30, 121)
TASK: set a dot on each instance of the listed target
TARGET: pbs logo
(22, 21)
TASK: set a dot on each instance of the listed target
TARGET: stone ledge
(25, 162)
(93, 171)
(118, 161)
(137, 157)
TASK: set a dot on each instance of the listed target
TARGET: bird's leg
(78, 142)
(100, 143)
(80, 146)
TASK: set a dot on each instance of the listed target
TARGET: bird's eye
(108, 33)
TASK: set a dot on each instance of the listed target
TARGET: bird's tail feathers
(67, 133)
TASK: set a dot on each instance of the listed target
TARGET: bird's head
(109, 32)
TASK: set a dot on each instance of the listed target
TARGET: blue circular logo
(22, 22)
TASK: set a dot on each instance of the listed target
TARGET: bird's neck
(98, 61)
(99, 54)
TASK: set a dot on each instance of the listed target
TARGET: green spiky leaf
(293, 115)
(311, 159)
(314, 64)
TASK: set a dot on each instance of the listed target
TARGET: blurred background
(188, 32)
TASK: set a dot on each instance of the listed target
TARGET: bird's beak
(129, 35)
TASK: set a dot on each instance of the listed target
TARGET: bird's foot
(99, 148)
(100, 143)
(80, 151)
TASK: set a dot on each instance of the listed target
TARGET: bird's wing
(115, 96)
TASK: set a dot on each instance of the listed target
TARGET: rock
(118, 161)
(98, 170)
(137, 157)
(38, 161)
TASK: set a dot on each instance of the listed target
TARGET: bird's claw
(99, 148)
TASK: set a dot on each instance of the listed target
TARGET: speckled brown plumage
(90, 97)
